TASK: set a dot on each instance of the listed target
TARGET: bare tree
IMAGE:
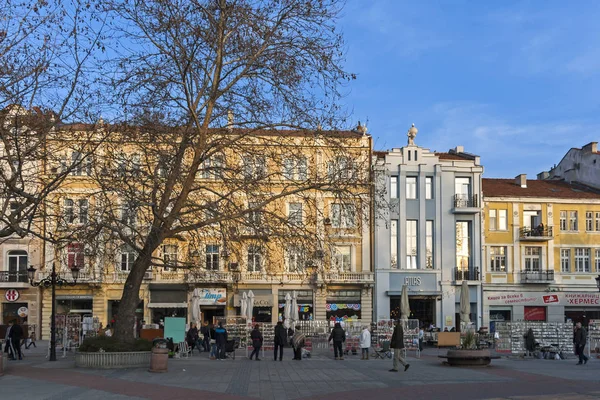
(207, 89)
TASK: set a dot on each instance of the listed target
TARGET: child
(31, 341)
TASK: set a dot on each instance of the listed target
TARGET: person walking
(397, 344)
(421, 337)
(298, 342)
(580, 341)
(15, 336)
(221, 339)
(257, 341)
(280, 340)
(339, 337)
(365, 343)
(31, 341)
(205, 332)
(212, 341)
(192, 338)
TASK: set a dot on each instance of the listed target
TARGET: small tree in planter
(469, 354)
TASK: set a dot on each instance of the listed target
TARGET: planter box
(129, 359)
(469, 358)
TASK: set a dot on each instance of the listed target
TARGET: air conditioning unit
(148, 275)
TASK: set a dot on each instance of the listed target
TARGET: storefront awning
(412, 294)
(167, 305)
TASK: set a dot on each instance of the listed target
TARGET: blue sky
(516, 82)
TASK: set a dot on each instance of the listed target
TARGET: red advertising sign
(551, 298)
(11, 295)
(535, 313)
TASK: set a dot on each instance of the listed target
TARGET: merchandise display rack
(557, 336)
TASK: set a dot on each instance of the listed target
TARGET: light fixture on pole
(50, 282)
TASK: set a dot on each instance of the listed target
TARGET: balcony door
(531, 219)
(17, 266)
(462, 187)
(463, 245)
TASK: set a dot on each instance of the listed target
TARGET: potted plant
(469, 354)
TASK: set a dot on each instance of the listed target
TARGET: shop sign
(532, 298)
(412, 280)
(211, 296)
(425, 281)
(22, 312)
(11, 295)
(535, 314)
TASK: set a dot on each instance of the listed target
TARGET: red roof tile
(450, 156)
(537, 188)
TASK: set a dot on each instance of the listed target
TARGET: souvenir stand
(552, 337)
(90, 326)
(593, 336)
(237, 329)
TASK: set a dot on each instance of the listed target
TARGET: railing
(208, 276)
(466, 274)
(130, 359)
(537, 276)
(535, 233)
(349, 276)
(14, 276)
(466, 201)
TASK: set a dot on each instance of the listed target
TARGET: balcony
(536, 234)
(350, 277)
(11, 279)
(466, 204)
(537, 276)
(466, 274)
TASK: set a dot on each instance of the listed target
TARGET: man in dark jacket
(339, 337)
(398, 344)
(221, 339)
(192, 338)
(257, 341)
(15, 336)
(580, 341)
(280, 339)
(205, 332)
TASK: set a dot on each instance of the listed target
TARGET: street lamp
(50, 282)
(598, 282)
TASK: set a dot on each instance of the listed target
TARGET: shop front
(211, 303)
(423, 296)
(343, 305)
(167, 300)
(542, 306)
(18, 305)
(263, 304)
(305, 301)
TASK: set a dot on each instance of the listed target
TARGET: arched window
(17, 266)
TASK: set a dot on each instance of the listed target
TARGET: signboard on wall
(542, 299)
(211, 296)
(535, 313)
(11, 295)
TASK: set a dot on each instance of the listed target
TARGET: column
(366, 304)
(320, 304)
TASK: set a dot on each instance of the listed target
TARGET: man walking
(580, 341)
(339, 337)
(280, 339)
(221, 339)
(205, 331)
(398, 344)
(15, 336)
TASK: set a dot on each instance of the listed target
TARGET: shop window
(17, 266)
(535, 313)
(500, 315)
(10, 312)
(343, 305)
(304, 299)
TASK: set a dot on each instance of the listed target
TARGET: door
(462, 186)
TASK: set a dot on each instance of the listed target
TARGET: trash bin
(160, 356)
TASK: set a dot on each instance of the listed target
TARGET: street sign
(11, 295)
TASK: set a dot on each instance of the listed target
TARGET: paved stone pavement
(316, 378)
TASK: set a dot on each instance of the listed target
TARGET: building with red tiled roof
(540, 236)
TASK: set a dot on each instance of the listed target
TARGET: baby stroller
(230, 347)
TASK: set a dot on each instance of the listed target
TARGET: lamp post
(50, 282)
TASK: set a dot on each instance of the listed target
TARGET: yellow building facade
(333, 283)
(541, 251)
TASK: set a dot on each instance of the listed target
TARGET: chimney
(229, 120)
(543, 175)
(521, 180)
(591, 147)
(459, 149)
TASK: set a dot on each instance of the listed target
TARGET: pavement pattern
(316, 378)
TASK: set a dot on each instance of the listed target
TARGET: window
(533, 258)
(411, 244)
(254, 167)
(394, 243)
(17, 266)
(212, 257)
(83, 211)
(341, 258)
(393, 187)
(598, 222)
(162, 166)
(295, 259)
(254, 258)
(411, 187)
(463, 245)
(343, 215)
(211, 215)
(212, 168)
(128, 213)
(493, 220)
(295, 168)
(563, 221)
(462, 187)
(565, 260)
(341, 168)
(582, 260)
(75, 255)
(429, 244)
(428, 188)
(80, 167)
(128, 256)
(254, 217)
(136, 165)
(589, 221)
(573, 221)
(498, 259)
(68, 211)
(597, 258)
(14, 209)
(502, 220)
(295, 214)
(170, 255)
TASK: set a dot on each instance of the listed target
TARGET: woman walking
(257, 341)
